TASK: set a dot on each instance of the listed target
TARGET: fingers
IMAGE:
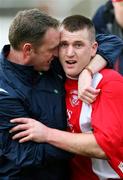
(89, 95)
(88, 100)
(20, 135)
(25, 134)
(25, 139)
(28, 129)
(19, 127)
(90, 90)
(20, 120)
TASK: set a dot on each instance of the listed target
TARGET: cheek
(62, 62)
(56, 53)
(46, 56)
(83, 61)
(61, 55)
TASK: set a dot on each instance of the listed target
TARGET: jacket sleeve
(107, 122)
(110, 47)
(98, 20)
(21, 154)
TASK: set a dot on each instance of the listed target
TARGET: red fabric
(107, 118)
(81, 167)
(73, 105)
(107, 123)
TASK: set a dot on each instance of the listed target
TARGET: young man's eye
(78, 45)
(62, 45)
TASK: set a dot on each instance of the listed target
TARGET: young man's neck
(71, 77)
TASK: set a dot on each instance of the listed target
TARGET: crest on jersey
(74, 98)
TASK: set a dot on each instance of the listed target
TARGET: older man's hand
(28, 129)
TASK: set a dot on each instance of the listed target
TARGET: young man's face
(75, 51)
(42, 56)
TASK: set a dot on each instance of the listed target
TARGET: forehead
(81, 35)
(51, 37)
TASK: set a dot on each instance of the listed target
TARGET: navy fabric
(110, 47)
(104, 21)
(26, 93)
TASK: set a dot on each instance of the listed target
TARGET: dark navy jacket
(105, 22)
(27, 93)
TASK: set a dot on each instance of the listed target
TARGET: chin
(46, 69)
(72, 76)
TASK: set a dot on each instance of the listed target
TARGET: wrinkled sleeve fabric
(17, 154)
(107, 121)
(13, 153)
(110, 47)
(98, 20)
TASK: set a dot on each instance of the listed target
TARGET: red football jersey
(104, 117)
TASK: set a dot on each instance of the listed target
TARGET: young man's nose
(70, 51)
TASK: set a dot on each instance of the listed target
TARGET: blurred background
(56, 8)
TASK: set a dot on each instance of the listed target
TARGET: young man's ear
(94, 48)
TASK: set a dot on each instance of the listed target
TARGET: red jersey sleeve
(107, 119)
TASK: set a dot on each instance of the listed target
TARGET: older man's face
(42, 56)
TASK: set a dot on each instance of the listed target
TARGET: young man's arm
(85, 91)
(110, 47)
(78, 143)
